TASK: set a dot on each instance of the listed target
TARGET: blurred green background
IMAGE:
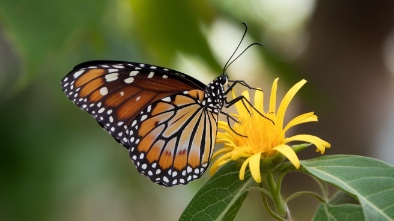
(56, 163)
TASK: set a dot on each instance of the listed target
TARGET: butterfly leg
(241, 82)
(228, 116)
(242, 98)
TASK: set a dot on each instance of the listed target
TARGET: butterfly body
(166, 119)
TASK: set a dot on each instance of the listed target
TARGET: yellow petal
(320, 144)
(240, 152)
(246, 95)
(272, 107)
(214, 168)
(254, 166)
(304, 118)
(223, 125)
(222, 137)
(245, 104)
(286, 101)
(216, 165)
(259, 100)
(242, 170)
(221, 151)
(241, 109)
(220, 161)
(289, 153)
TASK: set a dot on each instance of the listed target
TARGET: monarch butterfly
(166, 119)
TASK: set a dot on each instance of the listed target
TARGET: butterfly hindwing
(171, 141)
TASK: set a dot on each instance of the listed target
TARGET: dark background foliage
(57, 164)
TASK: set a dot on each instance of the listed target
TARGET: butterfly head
(223, 79)
(215, 94)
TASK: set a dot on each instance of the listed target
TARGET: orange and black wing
(172, 139)
(115, 92)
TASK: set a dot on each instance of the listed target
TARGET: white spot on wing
(129, 80)
(167, 99)
(133, 73)
(165, 76)
(111, 77)
(151, 74)
(78, 73)
(104, 91)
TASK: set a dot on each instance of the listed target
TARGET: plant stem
(266, 206)
(280, 205)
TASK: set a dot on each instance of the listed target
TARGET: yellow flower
(262, 138)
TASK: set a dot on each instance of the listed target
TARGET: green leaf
(369, 180)
(341, 197)
(342, 212)
(221, 197)
(340, 207)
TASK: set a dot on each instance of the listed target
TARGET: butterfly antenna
(243, 36)
(256, 43)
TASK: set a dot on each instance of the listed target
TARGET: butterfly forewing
(115, 92)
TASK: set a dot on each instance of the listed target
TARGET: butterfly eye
(222, 79)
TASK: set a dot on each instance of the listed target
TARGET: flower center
(262, 134)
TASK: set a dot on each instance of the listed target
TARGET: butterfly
(166, 119)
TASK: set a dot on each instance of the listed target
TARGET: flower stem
(267, 207)
(280, 205)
